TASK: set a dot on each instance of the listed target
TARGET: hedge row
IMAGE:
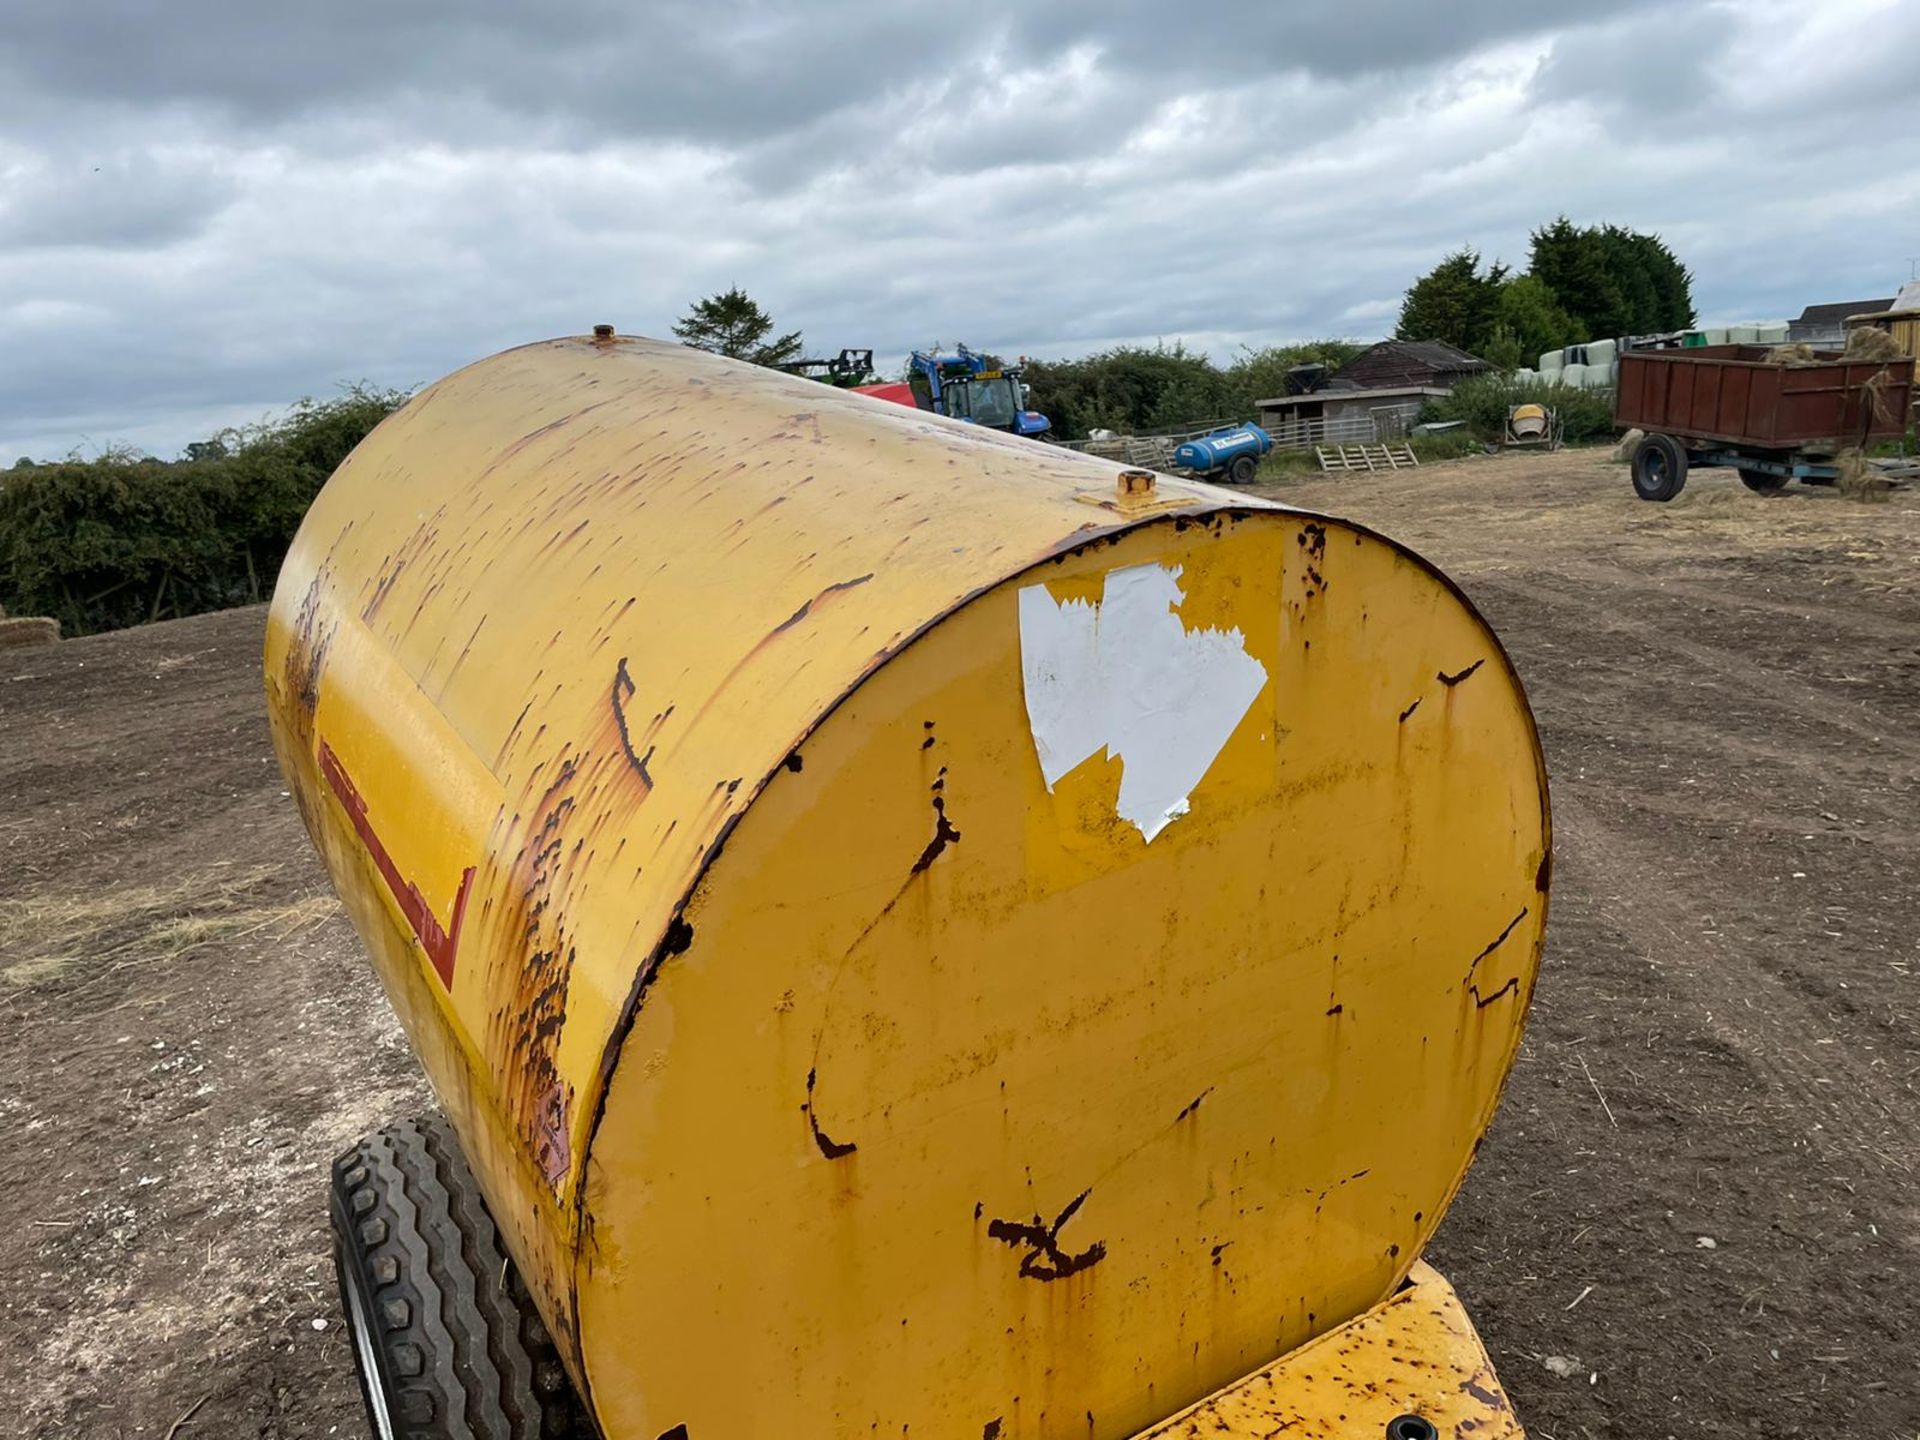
(127, 539)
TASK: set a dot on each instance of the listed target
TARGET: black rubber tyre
(1659, 468)
(1243, 469)
(1762, 482)
(445, 1337)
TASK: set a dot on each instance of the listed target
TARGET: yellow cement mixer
(913, 931)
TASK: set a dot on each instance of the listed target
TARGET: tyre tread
(406, 1206)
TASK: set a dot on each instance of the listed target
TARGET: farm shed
(1377, 392)
(1825, 326)
(1410, 363)
(1350, 414)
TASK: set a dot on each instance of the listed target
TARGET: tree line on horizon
(125, 538)
(1596, 282)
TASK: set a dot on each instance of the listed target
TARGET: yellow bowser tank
(920, 932)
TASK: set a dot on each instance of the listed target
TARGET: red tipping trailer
(1772, 420)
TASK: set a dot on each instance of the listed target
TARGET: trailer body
(1734, 396)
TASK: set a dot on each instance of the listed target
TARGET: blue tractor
(972, 388)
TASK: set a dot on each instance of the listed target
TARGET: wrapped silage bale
(1774, 334)
(1743, 335)
(1574, 375)
(1601, 352)
(1551, 362)
(1526, 376)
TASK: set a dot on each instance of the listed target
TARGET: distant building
(1379, 391)
(1426, 363)
(1825, 326)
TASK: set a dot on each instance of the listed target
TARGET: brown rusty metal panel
(1681, 385)
(1732, 394)
(1736, 400)
(1763, 405)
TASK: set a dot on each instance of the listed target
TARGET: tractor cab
(972, 387)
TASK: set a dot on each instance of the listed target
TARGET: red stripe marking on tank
(440, 944)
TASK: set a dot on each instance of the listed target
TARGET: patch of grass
(1455, 445)
(1286, 465)
(47, 936)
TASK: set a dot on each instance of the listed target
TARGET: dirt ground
(1696, 1214)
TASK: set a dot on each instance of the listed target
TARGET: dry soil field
(1696, 1215)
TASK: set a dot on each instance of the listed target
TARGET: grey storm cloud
(122, 201)
(716, 71)
(208, 209)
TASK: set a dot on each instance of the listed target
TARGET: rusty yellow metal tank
(919, 932)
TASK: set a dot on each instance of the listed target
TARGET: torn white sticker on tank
(1126, 676)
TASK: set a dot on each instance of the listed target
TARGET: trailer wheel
(1659, 468)
(1763, 482)
(1243, 469)
(445, 1337)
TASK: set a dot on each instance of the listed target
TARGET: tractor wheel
(1659, 468)
(446, 1339)
(1763, 482)
(1243, 469)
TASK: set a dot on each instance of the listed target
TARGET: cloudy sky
(209, 208)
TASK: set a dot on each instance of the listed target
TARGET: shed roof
(1408, 362)
(1344, 394)
(1834, 314)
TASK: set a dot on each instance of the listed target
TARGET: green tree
(1573, 264)
(1672, 283)
(1528, 314)
(1501, 348)
(1454, 302)
(1612, 281)
(733, 324)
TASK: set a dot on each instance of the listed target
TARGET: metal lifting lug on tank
(912, 932)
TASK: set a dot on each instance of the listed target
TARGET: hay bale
(1794, 354)
(1859, 479)
(1865, 342)
(18, 634)
(1629, 443)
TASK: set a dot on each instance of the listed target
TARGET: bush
(126, 539)
(1127, 389)
(1133, 390)
(1484, 400)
